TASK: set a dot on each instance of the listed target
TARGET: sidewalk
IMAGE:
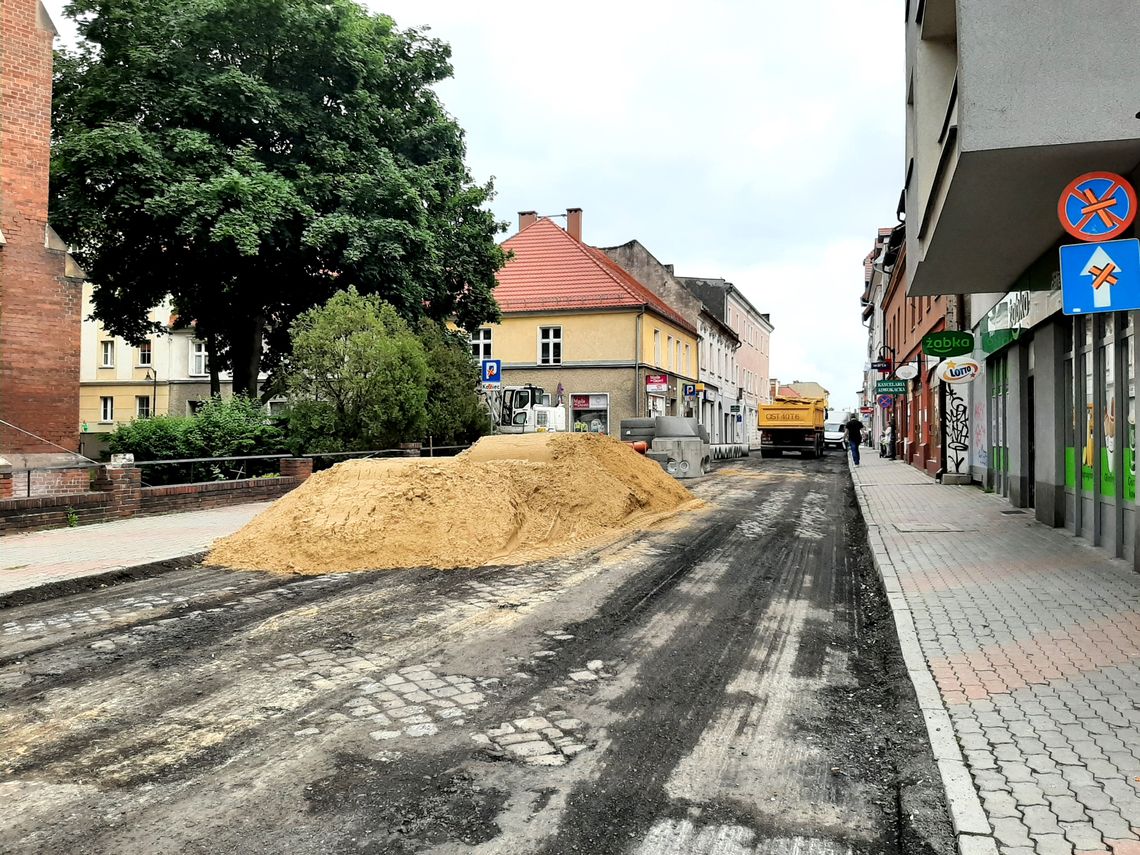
(1024, 647)
(38, 558)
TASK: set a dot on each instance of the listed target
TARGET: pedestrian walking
(854, 437)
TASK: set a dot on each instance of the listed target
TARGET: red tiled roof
(551, 271)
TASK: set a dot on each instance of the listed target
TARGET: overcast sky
(758, 141)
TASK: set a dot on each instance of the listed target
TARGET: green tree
(251, 157)
(357, 377)
(455, 411)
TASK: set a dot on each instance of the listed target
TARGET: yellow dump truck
(792, 424)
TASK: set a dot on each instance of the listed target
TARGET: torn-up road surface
(726, 683)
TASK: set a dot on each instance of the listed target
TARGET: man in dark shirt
(854, 436)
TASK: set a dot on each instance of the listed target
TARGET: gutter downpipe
(637, 365)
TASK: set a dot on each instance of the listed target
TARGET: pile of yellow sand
(507, 498)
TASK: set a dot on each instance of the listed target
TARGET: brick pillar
(6, 488)
(296, 467)
(124, 482)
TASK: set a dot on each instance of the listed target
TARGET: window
(481, 343)
(107, 409)
(108, 354)
(669, 350)
(677, 355)
(687, 374)
(142, 406)
(199, 366)
(193, 407)
(657, 348)
(276, 408)
(144, 354)
(550, 345)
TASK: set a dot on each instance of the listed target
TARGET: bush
(357, 377)
(456, 414)
(236, 426)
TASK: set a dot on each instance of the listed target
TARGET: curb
(971, 826)
(103, 579)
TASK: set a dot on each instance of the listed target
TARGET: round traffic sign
(1097, 206)
(885, 401)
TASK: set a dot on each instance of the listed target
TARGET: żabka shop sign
(948, 343)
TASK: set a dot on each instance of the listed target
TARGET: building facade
(39, 281)
(577, 325)
(167, 374)
(1003, 110)
(745, 375)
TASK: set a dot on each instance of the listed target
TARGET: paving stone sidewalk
(1032, 639)
(38, 558)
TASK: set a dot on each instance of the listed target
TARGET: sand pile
(506, 499)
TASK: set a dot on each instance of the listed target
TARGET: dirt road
(727, 683)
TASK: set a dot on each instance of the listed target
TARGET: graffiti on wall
(957, 427)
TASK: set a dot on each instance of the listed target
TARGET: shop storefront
(1058, 432)
(590, 412)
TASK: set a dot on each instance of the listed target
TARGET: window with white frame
(142, 406)
(687, 374)
(199, 365)
(550, 345)
(106, 409)
(657, 348)
(107, 352)
(677, 355)
(669, 350)
(145, 355)
(481, 343)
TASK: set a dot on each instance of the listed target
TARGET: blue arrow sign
(1100, 277)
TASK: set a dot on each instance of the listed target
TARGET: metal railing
(183, 470)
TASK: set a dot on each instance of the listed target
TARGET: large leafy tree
(251, 157)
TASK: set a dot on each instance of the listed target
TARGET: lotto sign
(1097, 206)
(491, 371)
(960, 370)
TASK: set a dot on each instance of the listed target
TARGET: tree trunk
(245, 354)
(212, 365)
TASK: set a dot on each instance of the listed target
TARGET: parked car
(834, 435)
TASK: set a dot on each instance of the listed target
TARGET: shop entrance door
(997, 382)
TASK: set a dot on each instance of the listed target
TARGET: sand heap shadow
(507, 499)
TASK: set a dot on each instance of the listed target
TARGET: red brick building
(40, 284)
(916, 416)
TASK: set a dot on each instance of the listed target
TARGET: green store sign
(890, 387)
(948, 343)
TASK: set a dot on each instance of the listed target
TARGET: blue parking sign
(1100, 277)
(491, 371)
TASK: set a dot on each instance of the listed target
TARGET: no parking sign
(885, 401)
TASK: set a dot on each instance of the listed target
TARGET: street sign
(890, 387)
(656, 382)
(868, 410)
(880, 365)
(1098, 206)
(947, 343)
(959, 369)
(885, 401)
(1101, 277)
(735, 408)
(907, 371)
(491, 372)
(689, 390)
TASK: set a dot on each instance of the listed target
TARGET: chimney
(574, 223)
(527, 218)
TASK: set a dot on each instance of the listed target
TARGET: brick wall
(52, 482)
(39, 300)
(116, 492)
